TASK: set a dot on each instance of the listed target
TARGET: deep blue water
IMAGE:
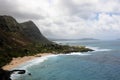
(102, 64)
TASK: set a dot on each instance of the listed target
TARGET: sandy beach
(20, 60)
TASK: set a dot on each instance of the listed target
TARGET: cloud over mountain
(68, 18)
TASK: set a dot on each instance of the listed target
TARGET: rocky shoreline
(5, 72)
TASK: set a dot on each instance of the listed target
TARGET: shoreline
(21, 60)
(15, 62)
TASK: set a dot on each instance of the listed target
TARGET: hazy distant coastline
(54, 39)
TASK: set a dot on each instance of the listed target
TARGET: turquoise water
(102, 64)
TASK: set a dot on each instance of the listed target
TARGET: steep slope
(10, 33)
(32, 32)
(15, 40)
(13, 34)
(8, 23)
(12, 42)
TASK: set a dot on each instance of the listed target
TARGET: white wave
(35, 61)
(42, 59)
(98, 49)
(29, 64)
(78, 53)
(39, 60)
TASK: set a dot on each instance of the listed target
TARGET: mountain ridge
(25, 39)
(33, 33)
(14, 42)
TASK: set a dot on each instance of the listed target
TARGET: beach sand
(20, 60)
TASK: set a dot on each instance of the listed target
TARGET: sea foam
(98, 49)
(30, 63)
(39, 60)
(35, 61)
(78, 53)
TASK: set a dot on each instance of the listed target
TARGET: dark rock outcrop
(5, 75)
(15, 41)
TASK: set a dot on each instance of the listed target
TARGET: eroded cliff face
(9, 24)
(10, 33)
(31, 31)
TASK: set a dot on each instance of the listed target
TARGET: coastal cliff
(17, 39)
(24, 39)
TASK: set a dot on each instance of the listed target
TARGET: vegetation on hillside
(24, 39)
(7, 54)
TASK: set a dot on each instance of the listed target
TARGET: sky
(68, 19)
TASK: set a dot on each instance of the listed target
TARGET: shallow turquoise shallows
(102, 64)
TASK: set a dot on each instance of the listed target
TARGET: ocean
(101, 64)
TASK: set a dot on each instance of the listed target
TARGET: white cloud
(68, 18)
